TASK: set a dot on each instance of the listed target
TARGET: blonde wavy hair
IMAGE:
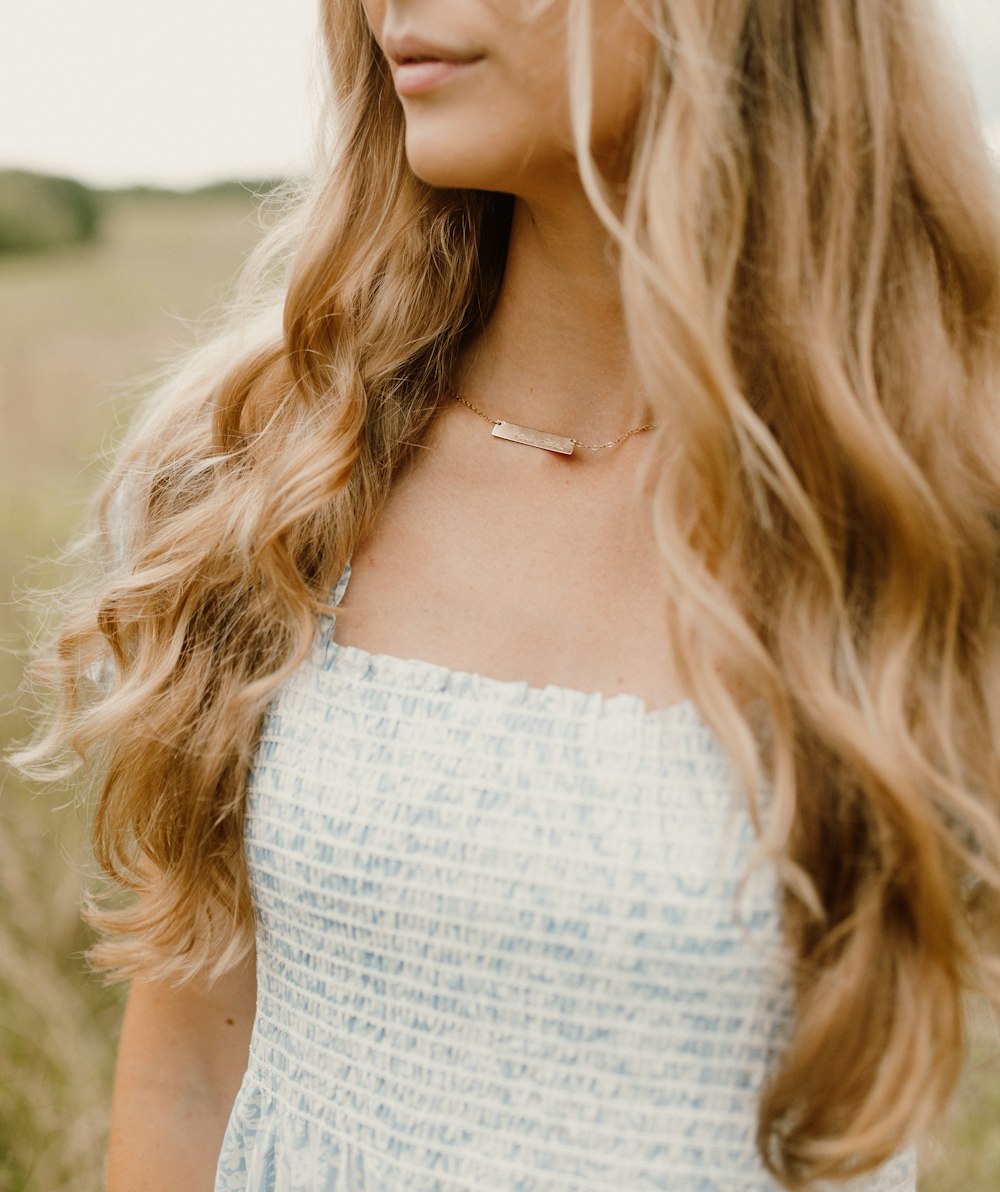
(810, 267)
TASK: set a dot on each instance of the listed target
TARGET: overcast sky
(181, 92)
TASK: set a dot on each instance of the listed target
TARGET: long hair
(810, 267)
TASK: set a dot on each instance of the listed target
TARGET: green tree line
(43, 211)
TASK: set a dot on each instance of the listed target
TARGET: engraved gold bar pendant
(533, 438)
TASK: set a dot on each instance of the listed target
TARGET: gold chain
(589, 446)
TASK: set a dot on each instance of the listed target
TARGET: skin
(517, 95)
(555, 556)
(491, 557)
(181, 1058)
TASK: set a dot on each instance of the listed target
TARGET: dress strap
(328, 620)
(341, 588)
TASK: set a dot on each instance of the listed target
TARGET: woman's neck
(554, 355)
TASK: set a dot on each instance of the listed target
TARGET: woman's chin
(461, 163)
(444, 169)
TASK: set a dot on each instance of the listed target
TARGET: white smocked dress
(498, 944)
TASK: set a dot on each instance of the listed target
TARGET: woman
(631, 817)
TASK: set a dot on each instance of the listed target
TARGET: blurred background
(134, 140)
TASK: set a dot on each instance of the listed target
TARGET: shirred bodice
(498, 943)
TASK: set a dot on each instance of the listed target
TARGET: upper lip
(407, 47)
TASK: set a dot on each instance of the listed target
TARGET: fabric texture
(501, 943)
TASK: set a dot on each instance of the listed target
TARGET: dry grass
(75, 326)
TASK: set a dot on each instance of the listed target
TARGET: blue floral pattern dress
(499, 943)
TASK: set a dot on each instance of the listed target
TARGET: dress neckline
(552, 698)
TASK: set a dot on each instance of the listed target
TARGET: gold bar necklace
(559, 444)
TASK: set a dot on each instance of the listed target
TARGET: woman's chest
(494, 920)
(455, 824)
(539, 582)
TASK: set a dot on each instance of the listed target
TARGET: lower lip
(419, 78)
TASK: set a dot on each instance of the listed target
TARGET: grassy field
(75, 328)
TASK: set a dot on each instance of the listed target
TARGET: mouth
(409, 50)
(410, 59)
(420, 67)
(420, 76)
